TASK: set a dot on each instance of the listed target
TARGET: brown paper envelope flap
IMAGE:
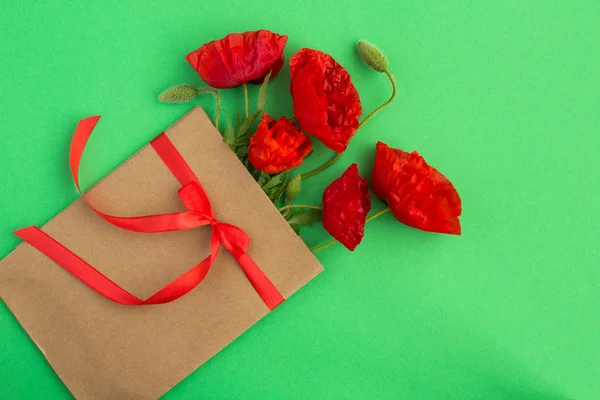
(101, 349)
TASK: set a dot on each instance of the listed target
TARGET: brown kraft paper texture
(102, 350)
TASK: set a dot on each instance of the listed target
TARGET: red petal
(277, 145)
(346, 203)
(418, 195)
(326, 103)
(239, 58)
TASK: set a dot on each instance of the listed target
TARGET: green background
(501, 96)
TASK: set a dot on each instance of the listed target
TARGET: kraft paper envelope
(103, 350)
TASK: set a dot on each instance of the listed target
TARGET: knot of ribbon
(193, 197)
(199, 213)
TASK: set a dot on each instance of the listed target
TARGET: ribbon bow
(199, 213)
(235, 240)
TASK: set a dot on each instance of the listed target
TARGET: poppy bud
(372, 56)
(179, 94)
(293, 188)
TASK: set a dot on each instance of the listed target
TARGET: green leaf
(271, 193)
(242, 152)
(242, 143)
(262, 92)
(179, 94)
(277, 194)
(251, 169)
(246, 125)
(277, 197)
(274, 181)
(274, 186)
(305, 217)
(263, 179)
(296, 228)
(238, 121)
(229, 135)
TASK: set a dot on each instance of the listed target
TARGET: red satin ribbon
(199, 212)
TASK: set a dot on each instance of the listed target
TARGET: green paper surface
(503, 97)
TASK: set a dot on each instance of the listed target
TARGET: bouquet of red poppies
(326, 106)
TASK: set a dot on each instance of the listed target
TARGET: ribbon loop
(194, 198)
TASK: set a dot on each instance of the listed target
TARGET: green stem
(384, 105)
(300, 206)
(323, 246)
(218, 107)
(362, 123)
(369, 218)
(377, 214)
(321, 168)
(246, 99)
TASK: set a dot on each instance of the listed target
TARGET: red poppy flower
(417, 194)
(277, 145)
(326, 103)
(346, 203)
(239, 58)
